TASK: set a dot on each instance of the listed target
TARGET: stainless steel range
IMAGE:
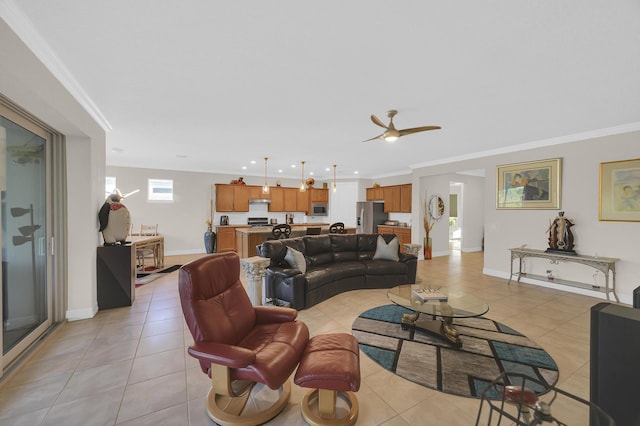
(258, 221)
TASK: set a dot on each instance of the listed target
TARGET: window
(160, 190)
(109, 185)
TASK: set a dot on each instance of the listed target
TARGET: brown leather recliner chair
(238, 344)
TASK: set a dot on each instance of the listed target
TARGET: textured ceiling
(209, 86)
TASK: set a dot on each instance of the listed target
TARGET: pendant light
(265, 188)
(302, 184)
(334, 179)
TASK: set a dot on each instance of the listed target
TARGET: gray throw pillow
(386, 251)
(296, 260)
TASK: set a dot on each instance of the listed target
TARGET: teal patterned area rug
(488, 349)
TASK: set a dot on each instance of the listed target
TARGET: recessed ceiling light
(310, 173)
(293, 166)
(252, 162)
(327, 169)
(355, 173)
(279, 170)
(244, 167)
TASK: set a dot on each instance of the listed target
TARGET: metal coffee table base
(440, 327)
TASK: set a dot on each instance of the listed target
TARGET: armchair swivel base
(227, 410)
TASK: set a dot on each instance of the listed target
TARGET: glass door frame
(14, 354)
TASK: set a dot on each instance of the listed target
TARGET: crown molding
(607, 131)
(24, 29)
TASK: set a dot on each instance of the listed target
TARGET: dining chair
(147, 252)
(337, 228)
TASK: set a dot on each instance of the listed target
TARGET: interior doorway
(455, 219)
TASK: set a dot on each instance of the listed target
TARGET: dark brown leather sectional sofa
(335, 263)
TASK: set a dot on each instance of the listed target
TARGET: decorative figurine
(560, 236)
(114, 218)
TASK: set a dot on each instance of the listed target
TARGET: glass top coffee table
(436, 316)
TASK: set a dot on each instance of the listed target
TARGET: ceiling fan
(391, 133)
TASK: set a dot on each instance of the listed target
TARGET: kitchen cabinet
(226, 238)
(405, 198)
(403, 233)
(392, 198)
(375, 193)
(277, 199)
(318, 195)
(397, 198)
(235, 198)
(302, 200)
(255, 191)
(291, 200)
(232, 198)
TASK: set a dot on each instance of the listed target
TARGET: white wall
(504, 229)
(27, 82)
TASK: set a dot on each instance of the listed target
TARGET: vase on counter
(209, 240)
(427, 247)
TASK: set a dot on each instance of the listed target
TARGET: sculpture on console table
(560, 235)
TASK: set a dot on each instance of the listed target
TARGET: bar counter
(248, 238)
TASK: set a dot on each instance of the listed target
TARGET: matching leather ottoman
(330, 365)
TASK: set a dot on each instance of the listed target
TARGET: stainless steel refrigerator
(370, 215)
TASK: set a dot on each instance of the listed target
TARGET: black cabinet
(615, 361)
(116, 276)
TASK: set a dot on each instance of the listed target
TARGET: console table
(606, 265)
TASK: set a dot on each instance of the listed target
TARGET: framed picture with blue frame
(530, 185)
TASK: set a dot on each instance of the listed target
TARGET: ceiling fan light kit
(391, 134)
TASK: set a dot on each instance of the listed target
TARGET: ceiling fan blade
(377, 121)
(417, 129)
(377, 137)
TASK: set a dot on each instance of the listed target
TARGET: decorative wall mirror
(436, 207)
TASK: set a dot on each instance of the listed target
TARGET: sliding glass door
(26, 282)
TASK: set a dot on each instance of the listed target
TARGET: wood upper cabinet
(405, 198)
(375, 194)
(397, 198)
(232, 198)
(224, 198)
(392, 198)
(302, 200)
(291, 200)
(277, 199)
(256, 192)
(318, 195)
(235, 198)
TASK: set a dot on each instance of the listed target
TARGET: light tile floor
(129, 365)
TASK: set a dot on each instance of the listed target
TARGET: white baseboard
(80, 314)
(470, 249)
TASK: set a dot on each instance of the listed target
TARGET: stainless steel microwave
(319, 209)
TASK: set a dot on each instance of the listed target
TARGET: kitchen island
(248, 238)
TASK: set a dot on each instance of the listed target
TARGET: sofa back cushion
(367, 244)
(318, 249)
(344, 247)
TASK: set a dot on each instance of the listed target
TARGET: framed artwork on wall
(531, 185)
(620, 191)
